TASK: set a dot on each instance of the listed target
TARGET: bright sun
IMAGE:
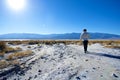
(16, 4)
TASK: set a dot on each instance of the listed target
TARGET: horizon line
(57, 33)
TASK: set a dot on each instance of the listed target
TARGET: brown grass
(14, 62)
(12, 58)
(19, 54)
(50, 42)
(114, 47)
(108, 43)
(15, 42)
(2, 46)
(66, 42)
(29, 46)
(3, 64)
(10, 49)
(47, 42)
(2, 53)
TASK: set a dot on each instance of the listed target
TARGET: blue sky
(61, 16)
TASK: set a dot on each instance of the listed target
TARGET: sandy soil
(69, 62)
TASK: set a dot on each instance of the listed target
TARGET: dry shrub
(17, 49)
(19, 54)
(2, 53)
(29, 46)
(14, 42)
(2, 46)
(10, 49)
(105, 42)
(39, 44)
(47, 42)
(14, 62)
(10, 57)
(3, 64)
(32, 42)
(66, 42)
(18, 42)
(114, 47)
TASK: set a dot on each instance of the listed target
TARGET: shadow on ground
(105, 55)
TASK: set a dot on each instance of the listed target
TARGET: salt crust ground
(69, 62)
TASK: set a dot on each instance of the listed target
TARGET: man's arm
(81, 36)
(88, 36)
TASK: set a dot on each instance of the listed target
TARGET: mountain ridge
(73, 35)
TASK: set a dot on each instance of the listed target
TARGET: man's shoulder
(87, 32)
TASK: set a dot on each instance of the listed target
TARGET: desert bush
(2, 54)
(2, 46)
(48, 43)
(3, 64)
(29, 46)
(39, 44)
(114, 47)
(66, 42)
(14, 42)
(17, 49)
(10, 49)
(14, 62)
(105, 42)
(19, 54)
(32, 42)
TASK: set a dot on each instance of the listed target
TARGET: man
(85, 36)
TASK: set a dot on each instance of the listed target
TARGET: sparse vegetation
(3, 64)
(19, 54)
(14, 62)
(15, 42)
(29, 46)
(2, 53)
(114, 47)
(33, 42)
(10, 49)
(78, 42)
(2, 46)
(5, 49)
(38, 44)
(107, 43)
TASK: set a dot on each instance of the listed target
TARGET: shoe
(86, 51)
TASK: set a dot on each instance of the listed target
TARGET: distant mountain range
(58, 36)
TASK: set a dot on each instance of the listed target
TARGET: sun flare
(16, 4)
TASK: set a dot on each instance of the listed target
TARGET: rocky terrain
(65, 62)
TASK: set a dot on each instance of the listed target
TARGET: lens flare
(16, 4)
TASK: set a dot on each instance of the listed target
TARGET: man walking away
(85, 36)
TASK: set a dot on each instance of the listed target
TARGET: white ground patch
(69, 62)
